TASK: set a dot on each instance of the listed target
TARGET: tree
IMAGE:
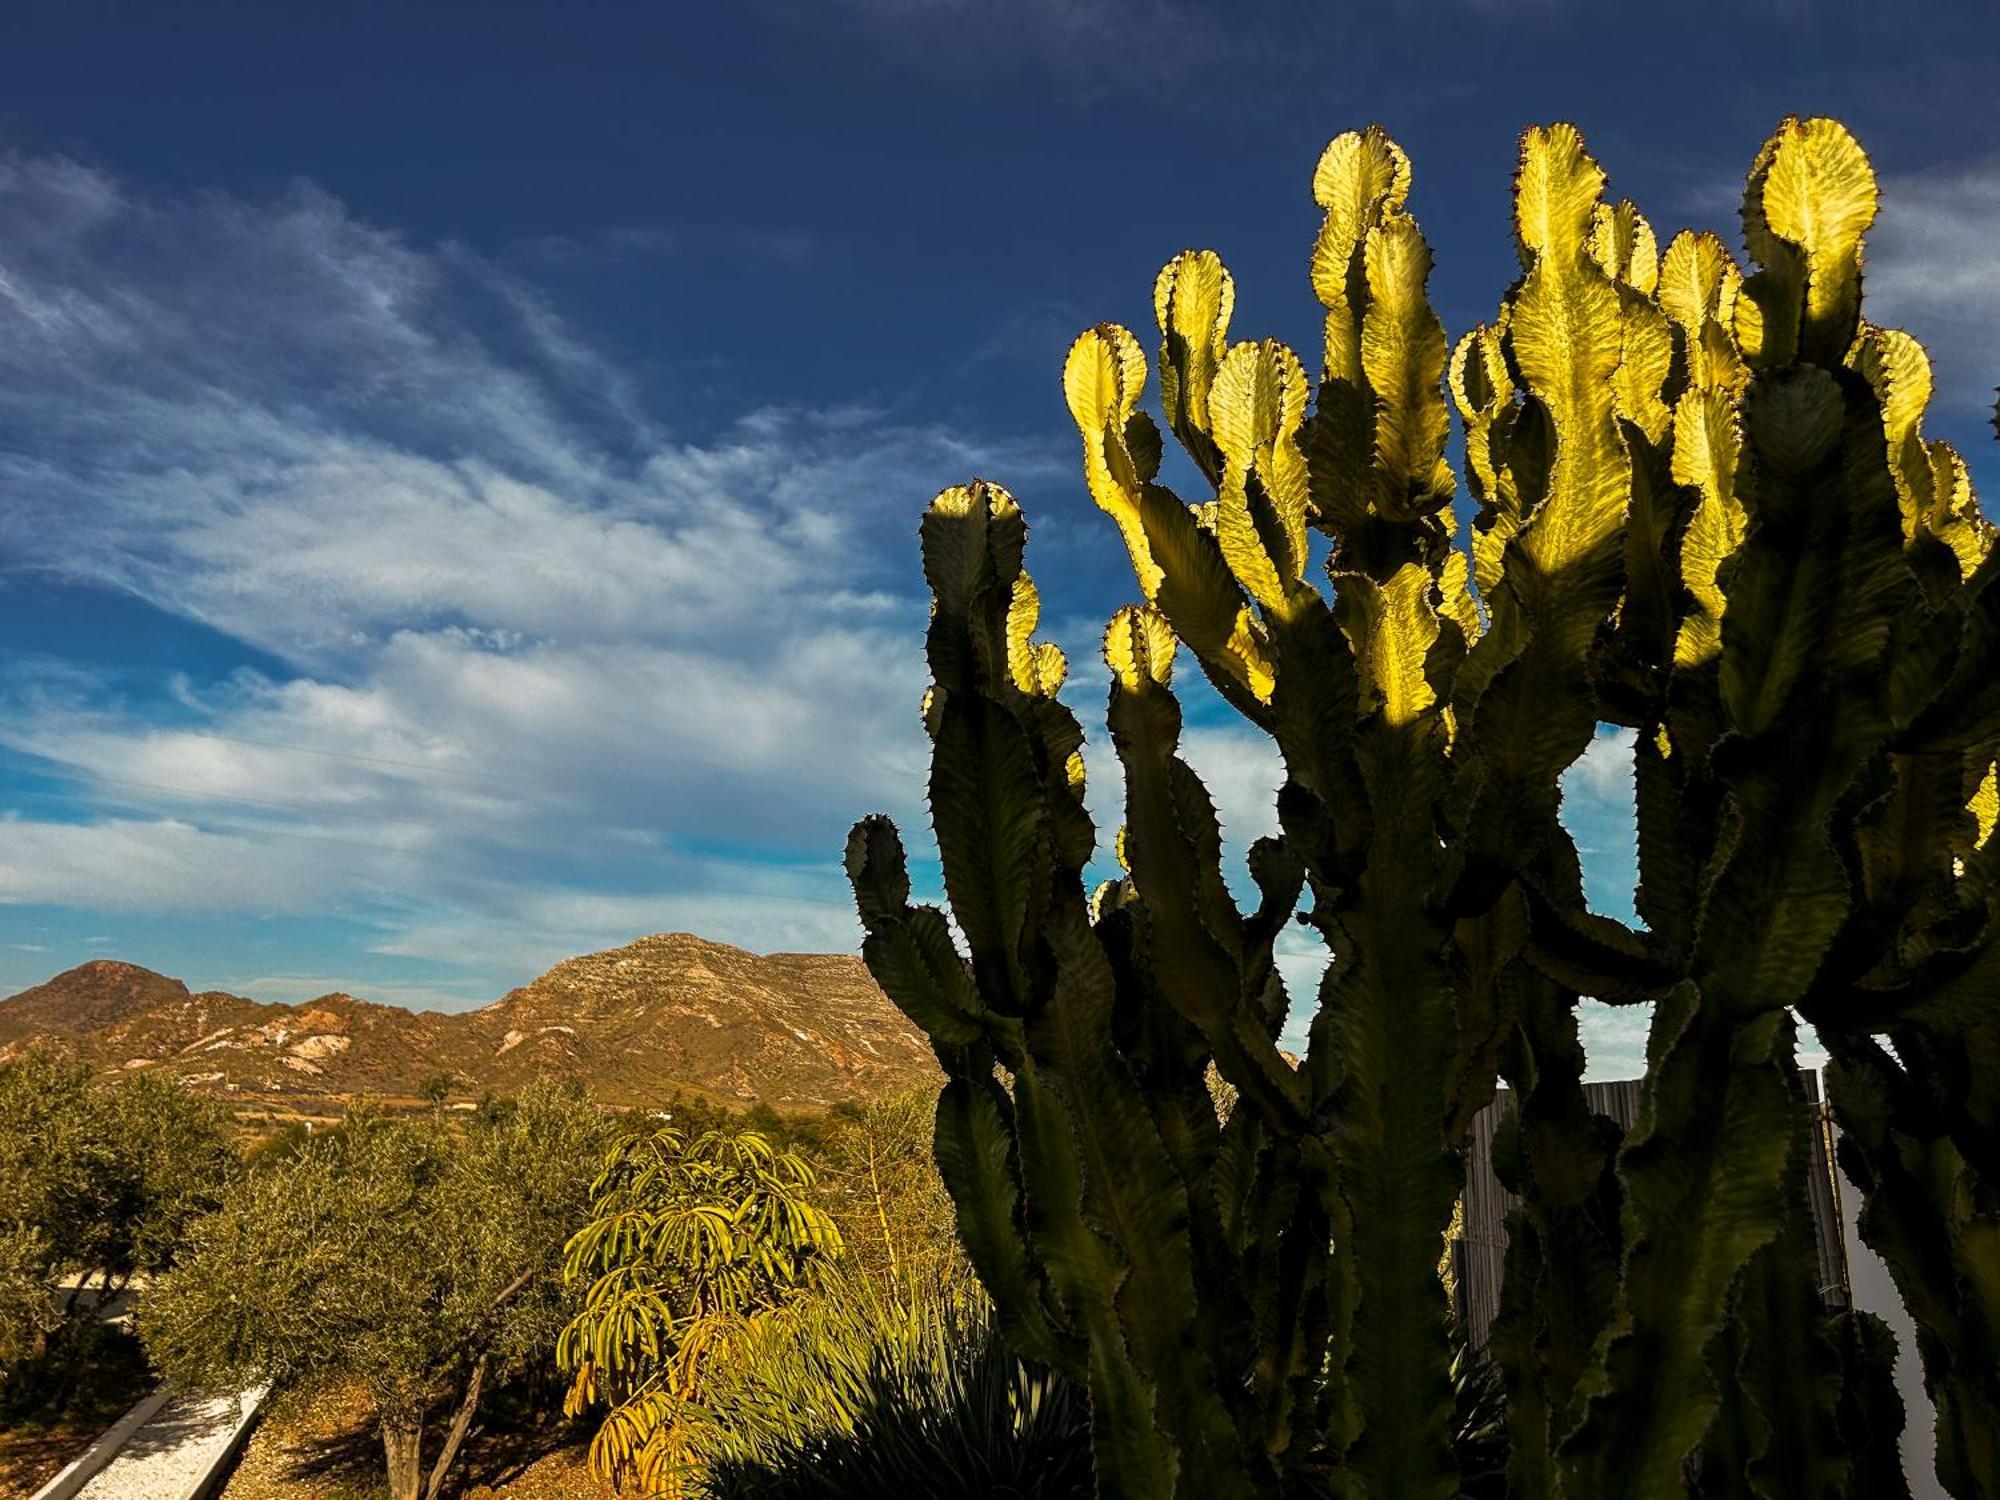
(690, 1241)
(1707, 512)
(878, 1180)
(173, 1161)
(28, 1314)
(436, 1088)
(97, 1181)
(407, 1259)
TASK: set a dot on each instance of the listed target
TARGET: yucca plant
(856, 1397)
(1706, 510)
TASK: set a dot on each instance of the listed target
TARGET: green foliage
(111, 1175)
(880, 1185)
(854, 1397)
(98, 1183)
(1705, 510)
(688, 1241)
(436, 1088)
(861, 1351)
(406, 1259)
(28, 1313)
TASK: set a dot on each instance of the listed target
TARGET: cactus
(1704, 508)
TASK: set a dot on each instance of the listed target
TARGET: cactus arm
(1523, 691)
(1810, 199)
(1482, 388)
(1964, 714)
(1192, 931)
(1386, 1019)
(1361, 177)
(978, 1156)
(1376, 450)
(1013, 839)
(1563, 1241)
(1922, 1215)
(1214, 968)
(1403, 354)
(1780, 1360)
(1250, 1324)
(1257, 406)
(1135, 1202)
(1192, 299)
(1127, 1449)
(1178, 565)
(1622, 244)
(1871, 1408)
(1700, 1173)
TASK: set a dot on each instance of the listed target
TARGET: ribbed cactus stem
(1707, 511)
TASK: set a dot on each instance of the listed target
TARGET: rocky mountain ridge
(669, 1013)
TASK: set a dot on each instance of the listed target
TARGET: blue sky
(458, 464)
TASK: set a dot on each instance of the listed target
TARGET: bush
(98, 1182)
(926, 1403)
(409, 1259)
(690, 1241)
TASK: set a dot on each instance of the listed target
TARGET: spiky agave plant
(861, 1399)
(1706, 510)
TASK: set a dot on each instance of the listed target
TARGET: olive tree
(99, 1182)
(412, 1261)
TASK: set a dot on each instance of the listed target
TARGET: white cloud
(529, 644)
(291, 988)
(1604, 770)
(1932, 270)
(131, 864)
(530, 929)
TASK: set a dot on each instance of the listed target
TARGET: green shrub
(411, 1260)
(689, 1244)
(936, 1405)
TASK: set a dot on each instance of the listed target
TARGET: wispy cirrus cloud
(546, 676)
(1932, 270)
(522, 671)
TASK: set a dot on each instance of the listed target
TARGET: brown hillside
(667, 1013)
(90, 997)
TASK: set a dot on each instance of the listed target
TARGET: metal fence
(1479, 1256)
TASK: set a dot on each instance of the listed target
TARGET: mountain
(664, 1014)
(93, 996)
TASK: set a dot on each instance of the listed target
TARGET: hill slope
(666, 1013)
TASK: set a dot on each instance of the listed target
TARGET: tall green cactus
(1706, 510)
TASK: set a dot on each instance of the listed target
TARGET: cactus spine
(1706, 510)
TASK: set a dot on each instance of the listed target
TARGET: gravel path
(166, 1456)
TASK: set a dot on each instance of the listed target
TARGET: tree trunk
(468, 1404)
(403, 1446)
(461, 1422)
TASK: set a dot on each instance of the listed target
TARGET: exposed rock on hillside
(667, 1013)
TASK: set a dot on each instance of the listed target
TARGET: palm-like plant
(692, 1240)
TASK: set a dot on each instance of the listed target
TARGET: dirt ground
(329, 1453)
(34, 1448)
(31, 1457)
